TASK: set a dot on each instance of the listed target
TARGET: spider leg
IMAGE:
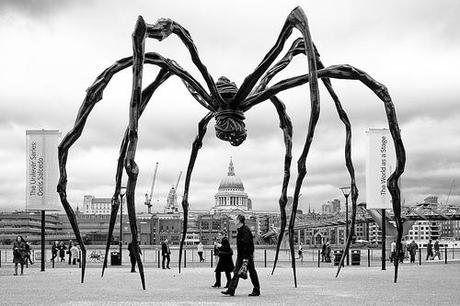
(147, 93)
(197, 143)
(131, 167)
(286, 126)
(352, 73)
(296, 19)
(163, 28)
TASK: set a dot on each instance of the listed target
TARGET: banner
(380, 164)
(42, 170)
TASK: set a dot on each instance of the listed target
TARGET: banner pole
(42, 259)
(384, 237)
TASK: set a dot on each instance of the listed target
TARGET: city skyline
(54, 50)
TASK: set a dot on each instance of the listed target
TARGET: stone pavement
(435, 284)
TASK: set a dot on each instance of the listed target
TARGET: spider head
(226, 88)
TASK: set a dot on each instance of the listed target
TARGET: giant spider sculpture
(227, 104)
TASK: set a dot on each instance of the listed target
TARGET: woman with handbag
(225, 263)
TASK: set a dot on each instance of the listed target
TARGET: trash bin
(337, 256)
(115, 259)
(355, 257)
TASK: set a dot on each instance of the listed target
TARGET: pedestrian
(69, 252)
(429, 250)
(393, 251)
(27, 258)
(323, 252)
(165, 252)
(245, 257)
(216, 249)
(74, 250)
(19, 253)
(132, 257)
(300, 252)
(200, 251)
(402, 252)
(62, 249)
(437, 253)
(412, 248)
(54, 250)
(225, 263)
(328, 252)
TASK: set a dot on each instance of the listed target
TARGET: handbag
(243, 272)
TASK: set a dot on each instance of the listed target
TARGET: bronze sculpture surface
(227, 104)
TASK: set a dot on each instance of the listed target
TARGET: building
(28, 225)
(230, 196)
(98, 206)
(331, 207)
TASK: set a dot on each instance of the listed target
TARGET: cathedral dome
(231, 195)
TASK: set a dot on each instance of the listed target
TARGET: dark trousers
(412, 257)
(133, 263)
(201, 256)
(218, 279)
(165, 257)
(252, 274)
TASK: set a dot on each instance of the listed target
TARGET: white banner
(42, 169)
(380, 164)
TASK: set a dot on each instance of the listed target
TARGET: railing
(263, 256)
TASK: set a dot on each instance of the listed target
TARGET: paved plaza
(433, 284)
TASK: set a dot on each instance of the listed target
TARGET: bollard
(265, 258)
(212, 257)
(368, 257)
(158, 257)
(318, 259)
(419, 257)
(445, 254)
(185, 258)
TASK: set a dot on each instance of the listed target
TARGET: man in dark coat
(245, 248)
(165, 252)
(132, 258)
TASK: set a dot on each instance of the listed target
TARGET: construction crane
(148, 197)
(171, 201)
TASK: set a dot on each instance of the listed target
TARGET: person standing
(62, 249)
(436, 250)
(225, 263)
(200, 251)
(412, 248)
(165, 252)
(19, 253)
(69, 252)
(28, 251)
(323, 252)
(245, 249)
(300, 252)
(393, 251)
(328, 252)
(429, 250)
(54, 250)
(74, 253)
(132, 257)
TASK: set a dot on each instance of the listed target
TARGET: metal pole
(318, 259)
(212, 257)
(121, 225)
(0, 258)
(384, 237)
(185, 258)
(158, 257)
(43, 243)
(445, 254)
(265, 258)
(346, 226)
(368, 257)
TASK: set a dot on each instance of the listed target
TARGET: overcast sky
(51, 51)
